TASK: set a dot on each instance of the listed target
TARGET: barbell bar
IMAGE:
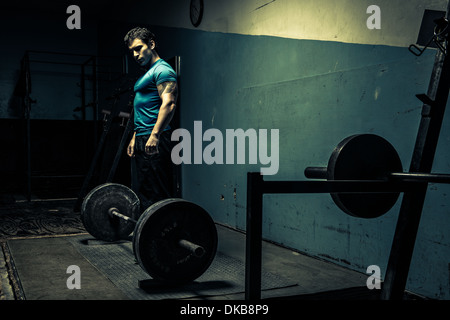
(321, 173)
(115, 212)
(420, 177)
(368, 157)
(174, 240)
(197, 250)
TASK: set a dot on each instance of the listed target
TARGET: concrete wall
(342, 21)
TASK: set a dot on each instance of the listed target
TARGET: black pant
(153, 174)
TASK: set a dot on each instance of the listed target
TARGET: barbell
(368, 157)
(174, 240)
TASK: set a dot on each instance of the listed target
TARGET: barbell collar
(115, 212)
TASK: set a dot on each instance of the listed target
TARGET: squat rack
(434, 104)
(86, 63)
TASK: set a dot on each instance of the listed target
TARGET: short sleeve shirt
(147, 101)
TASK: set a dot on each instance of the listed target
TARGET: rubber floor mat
(116, 261)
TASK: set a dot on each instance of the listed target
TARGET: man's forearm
(165, 115)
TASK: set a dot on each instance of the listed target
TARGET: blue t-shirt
(147, 101)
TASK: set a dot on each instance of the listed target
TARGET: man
(154, 105)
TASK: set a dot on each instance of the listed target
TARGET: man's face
(142, 52)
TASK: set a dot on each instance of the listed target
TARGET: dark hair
(139, 33)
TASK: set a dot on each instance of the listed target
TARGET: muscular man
(154, 105)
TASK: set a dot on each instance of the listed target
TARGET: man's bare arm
(168, 92)
(169, 87)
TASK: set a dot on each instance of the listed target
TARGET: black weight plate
(94, 211)
(156, 237)
(364, 157)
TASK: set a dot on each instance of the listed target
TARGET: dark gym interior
(338, 189)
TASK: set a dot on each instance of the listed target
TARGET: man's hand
(151, 147)
(130, 149)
